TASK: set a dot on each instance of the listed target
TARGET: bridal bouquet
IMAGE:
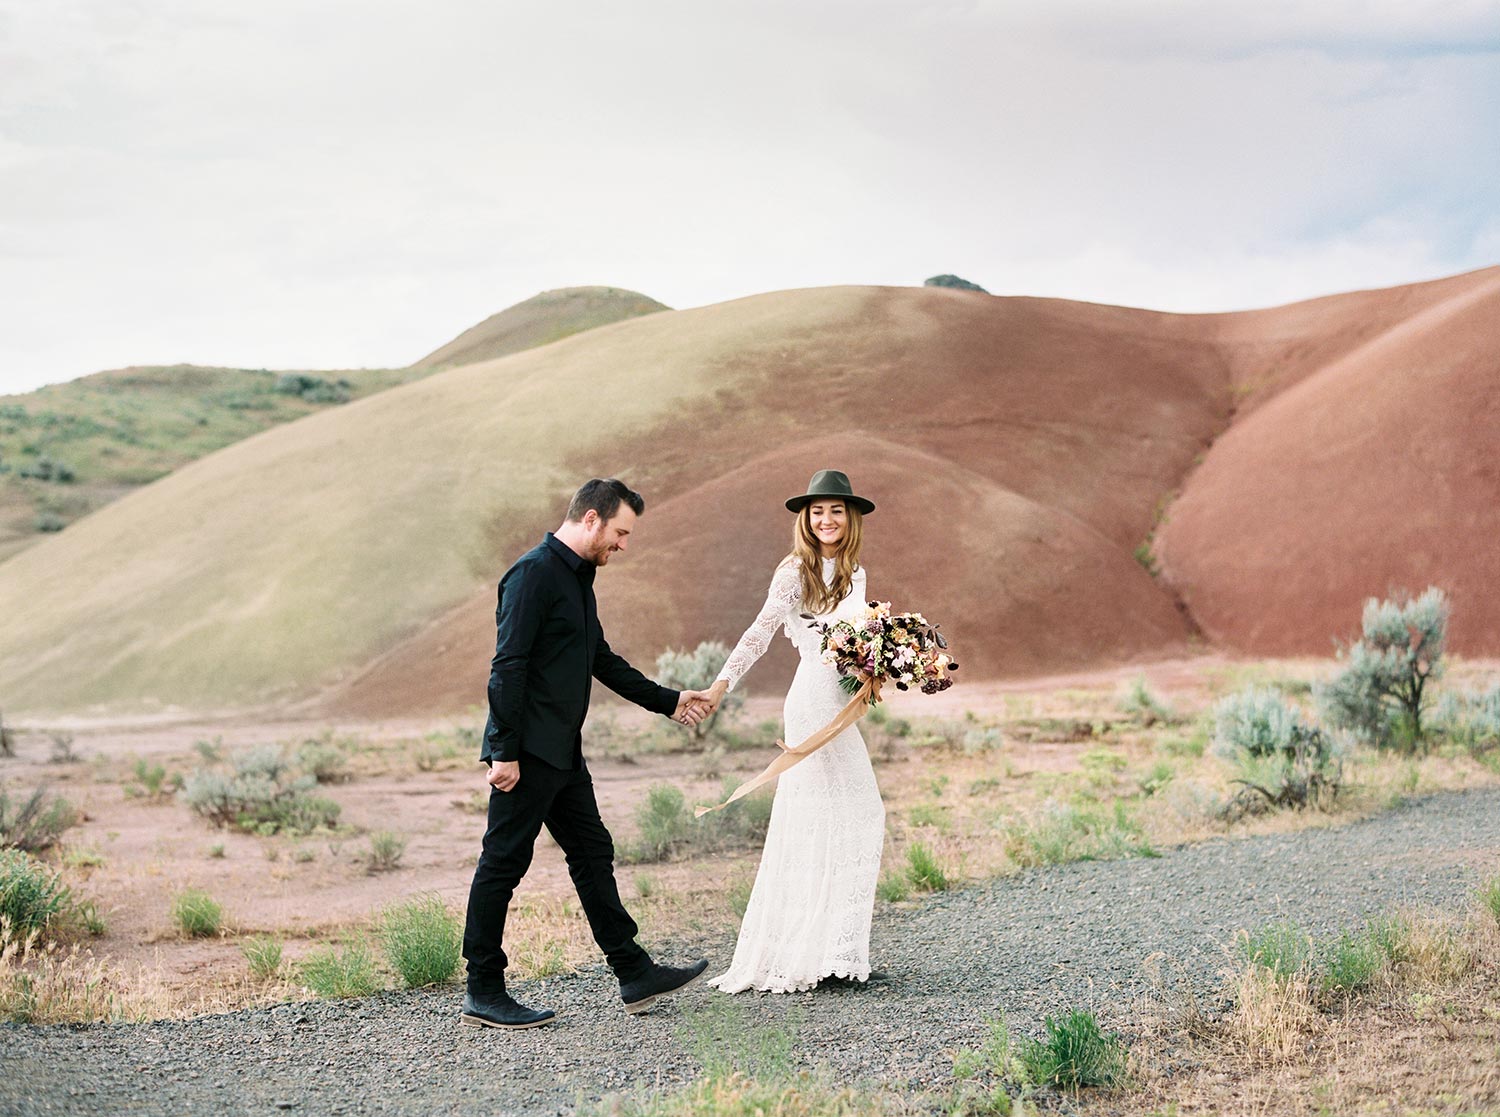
(881, 646)
(874, 648)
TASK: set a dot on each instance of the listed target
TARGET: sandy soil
(410, 777)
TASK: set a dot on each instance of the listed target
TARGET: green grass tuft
(264, 956)
(31, 895)
(331, 972)
(1281, 947)
(197, 914)
(422, 941)
(924, 870)
(386, 850)
(1488, 896)
(1074, 1052)
(893, 887)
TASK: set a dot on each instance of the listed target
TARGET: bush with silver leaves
(1280, 759)
(1382, 691)
(697, 670)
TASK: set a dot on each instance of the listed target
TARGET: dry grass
(1273, 1016)
(52, 984)
(1424, 1040)
(1076, 749)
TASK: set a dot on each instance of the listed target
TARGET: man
(548, 647)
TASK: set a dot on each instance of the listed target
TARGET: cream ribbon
(866, 696)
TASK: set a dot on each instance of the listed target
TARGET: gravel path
(1037, 943)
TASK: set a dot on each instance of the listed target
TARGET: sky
(343, 184)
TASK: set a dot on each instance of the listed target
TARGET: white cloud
(351, 184)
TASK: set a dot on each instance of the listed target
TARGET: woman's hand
(717, 692)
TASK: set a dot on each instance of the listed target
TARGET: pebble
(1033, 945)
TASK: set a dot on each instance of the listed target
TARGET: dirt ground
(132, 855)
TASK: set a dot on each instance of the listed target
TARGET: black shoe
(876, 977)
(500, 1010)
(641, 993)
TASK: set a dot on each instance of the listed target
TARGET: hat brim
(797, 503)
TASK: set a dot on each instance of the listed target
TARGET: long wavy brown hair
(818, 597)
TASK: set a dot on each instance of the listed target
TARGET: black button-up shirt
(548, 649)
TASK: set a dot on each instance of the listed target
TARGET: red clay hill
(1284, 464)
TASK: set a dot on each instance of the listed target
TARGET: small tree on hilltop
(1381, 694)
(954, 282)
(697, 670)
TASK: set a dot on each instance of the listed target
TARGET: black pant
(563, 801)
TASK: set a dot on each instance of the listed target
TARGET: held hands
(695, 705)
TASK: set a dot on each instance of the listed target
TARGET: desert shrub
(924, 870)
(742, 823)
(197, 914)
(331, 972)
(60, 750)
(32, 897)
(48, 469)
(665, 823)
(954, 282)
(264, 956)
(422, 940)
(36, 823)
(697, 670)
(1471, 719)
(259, 793)
(982, 739)
(324, 760)
(1140, 704)
(1255, 722)
(49, 523)
(7, 739)
(1062, 834)
(1281, 760)
(1381, 693)
(1074, 1052)
(884, 734)
(152, 781)
(314, 389)
(667, 826)
(386, 850)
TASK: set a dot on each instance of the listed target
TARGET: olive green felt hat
(830, 483)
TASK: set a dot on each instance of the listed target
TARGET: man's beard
(599, 554)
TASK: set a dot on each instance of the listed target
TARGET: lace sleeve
(785, 593)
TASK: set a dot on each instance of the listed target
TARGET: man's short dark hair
(604, 495)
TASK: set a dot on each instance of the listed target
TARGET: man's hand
(692, 707)
(504, 774)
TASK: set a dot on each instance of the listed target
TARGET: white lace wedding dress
(809, 913)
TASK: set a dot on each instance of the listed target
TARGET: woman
(809, 913)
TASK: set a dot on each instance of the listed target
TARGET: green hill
(68, 449)
(540, 320)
